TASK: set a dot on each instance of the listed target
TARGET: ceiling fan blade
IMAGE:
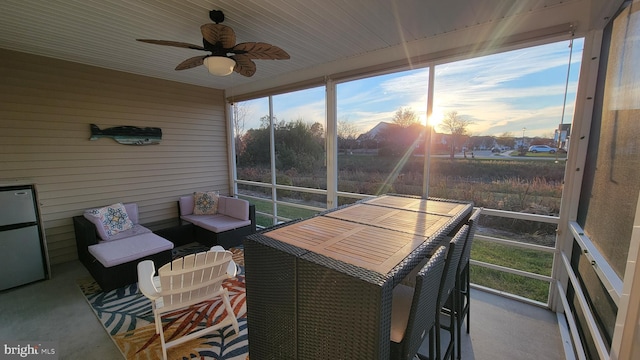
(172, 43)
(244, 65)
(218, 33)
(260, 50)
(191, 62)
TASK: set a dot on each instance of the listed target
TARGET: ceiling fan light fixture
(225, 55)
(219, 65)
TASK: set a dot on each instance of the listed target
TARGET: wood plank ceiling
(314, 33)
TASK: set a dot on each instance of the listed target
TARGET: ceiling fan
(226, 56)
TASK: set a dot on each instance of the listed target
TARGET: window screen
(612, 173)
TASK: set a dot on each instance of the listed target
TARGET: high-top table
(321, 288)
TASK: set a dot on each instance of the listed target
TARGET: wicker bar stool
(447, 295)
(463, 285)
(414, 310)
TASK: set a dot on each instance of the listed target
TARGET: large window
(280, 145)
(252, 137)
(490, 109)
(299, 135)
(381, 121)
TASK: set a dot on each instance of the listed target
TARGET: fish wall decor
(128, 135)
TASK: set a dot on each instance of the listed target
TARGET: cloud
(499, 93)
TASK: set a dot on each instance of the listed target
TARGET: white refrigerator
(22, 247)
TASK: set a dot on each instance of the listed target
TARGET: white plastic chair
(187, 281)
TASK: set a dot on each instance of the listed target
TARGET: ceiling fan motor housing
(216, 16)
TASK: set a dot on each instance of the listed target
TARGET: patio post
(427, 135)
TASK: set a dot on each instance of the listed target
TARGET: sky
(498, 93)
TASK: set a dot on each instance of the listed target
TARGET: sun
(423, 119)
(436, 117)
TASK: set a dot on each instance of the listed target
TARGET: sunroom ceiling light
(219, 65)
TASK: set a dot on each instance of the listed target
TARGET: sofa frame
(113, 277)
(226, 239)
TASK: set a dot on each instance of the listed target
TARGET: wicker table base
(321, 288)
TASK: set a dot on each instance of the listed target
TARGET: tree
(456, 125)
(298, 145)
(317, 130)
(397, 141)
(256, 148)
(265, 123)
(481, 142)
(400, 136)
(405, 117)
(347, 133)
(239, 115)
(506, 139)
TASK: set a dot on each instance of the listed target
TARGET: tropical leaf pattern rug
(127, 316)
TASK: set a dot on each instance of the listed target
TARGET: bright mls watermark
(28, 350)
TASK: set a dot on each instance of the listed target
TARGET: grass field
(514, 284)
(560, 155)
(290, 212)
(533, 261)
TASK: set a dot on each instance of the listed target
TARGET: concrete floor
(55, 310)
(502, 328)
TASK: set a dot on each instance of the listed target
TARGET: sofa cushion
(112, 253)
(135, 230)
(109, 220)
(216, 223)
(236, 208)
(186, 205)
(205, 203)
(132, 211)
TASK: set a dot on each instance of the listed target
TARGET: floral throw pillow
(113, 218)
(205, 203)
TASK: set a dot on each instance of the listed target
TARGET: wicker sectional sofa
(112, 260)
(232, 221)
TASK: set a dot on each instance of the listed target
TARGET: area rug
(127, 317)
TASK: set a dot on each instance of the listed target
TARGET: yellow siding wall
(46, 106)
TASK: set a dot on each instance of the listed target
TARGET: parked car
(496, 150)
(541, 148)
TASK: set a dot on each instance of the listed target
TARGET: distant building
(562, 135)
(521, 142)
(374, 133)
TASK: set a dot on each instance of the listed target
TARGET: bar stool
(447, 295)
(414, 310)
(463, 285)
